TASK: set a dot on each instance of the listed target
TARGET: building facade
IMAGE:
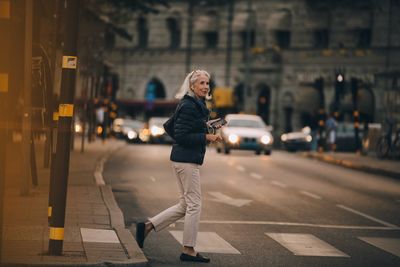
(286, 60)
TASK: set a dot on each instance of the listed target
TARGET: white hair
(189, 81)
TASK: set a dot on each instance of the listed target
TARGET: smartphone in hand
(217, 123)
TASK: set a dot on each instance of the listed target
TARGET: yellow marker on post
(4, 9)
(69, 62)
(4, 82)
(66, 110)
(56, 233)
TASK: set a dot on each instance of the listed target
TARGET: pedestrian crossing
(299, 244)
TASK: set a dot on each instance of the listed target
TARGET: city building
(286, 60)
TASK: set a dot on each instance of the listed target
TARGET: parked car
(245, 132)
(157, 132)
(297, 140)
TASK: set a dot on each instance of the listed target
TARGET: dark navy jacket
(190, 131)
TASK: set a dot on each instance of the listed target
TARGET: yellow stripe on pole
(49, 211)
(56, 233)
(4, 82)
(66, 110)
(4, 9)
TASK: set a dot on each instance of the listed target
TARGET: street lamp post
(231, 7)
(189, 36)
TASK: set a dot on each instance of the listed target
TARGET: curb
(350, 165)
(135, 254)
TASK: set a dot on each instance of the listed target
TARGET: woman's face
(201, 86)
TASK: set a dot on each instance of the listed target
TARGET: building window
(282, 38)
(174, 33)
(321, 38)
(363, 38)
(211, 39)
(143, 33)
(251, 36)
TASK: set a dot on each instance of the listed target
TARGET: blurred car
(131, 130)
(297, 140)
(117, 127)
(245, 132)
(157, 132)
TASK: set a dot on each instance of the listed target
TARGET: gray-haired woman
(187, 155)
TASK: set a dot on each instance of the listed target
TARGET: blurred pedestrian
(314, 131)
(331, 127)
(187, 155)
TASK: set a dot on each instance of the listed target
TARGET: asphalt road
(279, 210)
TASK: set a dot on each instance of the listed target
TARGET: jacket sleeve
(184, 125)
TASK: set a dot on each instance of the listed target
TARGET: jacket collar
(201, 103)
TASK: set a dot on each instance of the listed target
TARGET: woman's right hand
(213, 137)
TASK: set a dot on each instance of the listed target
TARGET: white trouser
(188, 177)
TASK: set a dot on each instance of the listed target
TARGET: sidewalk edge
(350, 165)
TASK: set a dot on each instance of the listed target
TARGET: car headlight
(233, 138)
(156, 131)
(284, 137)
(132, 135)
(78, 128)
(308, 138)
(266, 139)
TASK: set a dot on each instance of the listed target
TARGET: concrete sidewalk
(369, 163)
(95, 233)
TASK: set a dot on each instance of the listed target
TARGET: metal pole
(66, 107)
(247, 56)
(356, 113)
(3, 154)
(27, 110)
(231, 5)
(189, 37)
(5, 70)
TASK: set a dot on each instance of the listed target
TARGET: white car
(157, 132)
(245, 132)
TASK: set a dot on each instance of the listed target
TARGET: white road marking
(256, 176)
(240, 168)
(306, 245)
(98, 173)
(280, 184)
(310, 194)
(152, 178)
(99, 235)
(219, 197)
(357, 227)
(209, 242)
(230, 163)
(391, 245)
(366, 216)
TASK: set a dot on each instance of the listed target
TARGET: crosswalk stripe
(391, 245)
(99, 235)
(208, 242)
(306, 245)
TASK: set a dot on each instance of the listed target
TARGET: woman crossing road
(187, 155)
